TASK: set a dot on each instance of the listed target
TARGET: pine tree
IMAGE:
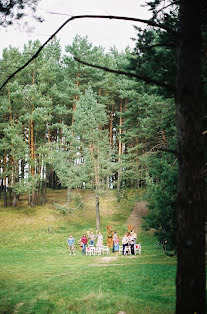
(90, 118)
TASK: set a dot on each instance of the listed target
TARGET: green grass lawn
(37, 275)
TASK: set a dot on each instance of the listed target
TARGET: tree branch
(111, 17)
(167, 150)
(158, 45)
(167, 6)
(130, 74)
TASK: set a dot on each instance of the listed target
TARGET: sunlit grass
(37, 275)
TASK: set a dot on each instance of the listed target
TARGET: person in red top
(84, 241)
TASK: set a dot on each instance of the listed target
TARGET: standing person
(84, 241)
(100, 240)
(134, 236)
(125, 241)
(116, 245)
(92, 238)
(71, 242)
(114, 238)
(132, 242)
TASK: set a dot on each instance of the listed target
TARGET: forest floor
(37, 275)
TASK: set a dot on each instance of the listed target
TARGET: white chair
(105, 250)
(88, 250)
(98, 250)
(137, 249)
(120, 250)
(127, 250)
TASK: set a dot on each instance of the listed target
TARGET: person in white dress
(99, 240)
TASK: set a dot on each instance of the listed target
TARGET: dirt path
(135, 219)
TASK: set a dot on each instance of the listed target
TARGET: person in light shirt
(92, 238)
(125, 242)
(71, 244)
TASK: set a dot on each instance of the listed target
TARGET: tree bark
(10, 196)
(120, 153)
(33, 201)
(14, 199)
(111, 128)
(98, 224)
(5, 196)
(190, 281)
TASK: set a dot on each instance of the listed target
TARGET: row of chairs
(127, 249)
(92, 250)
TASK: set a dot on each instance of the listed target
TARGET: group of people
(128, 242)
(84, 241)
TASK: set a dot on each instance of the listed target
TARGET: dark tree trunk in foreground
(190, 279)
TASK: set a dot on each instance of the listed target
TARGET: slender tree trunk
(97, 183)
(44, 192)
(22, 169)
(14, 199)
(33, 200)
(190, 281)
(98, 220)
(75, 99)
(111, 128)
(5, 196)
(4, 182)
(10, 196)
(119, 152)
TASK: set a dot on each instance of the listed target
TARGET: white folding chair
(105, 250)
(88, 250)
(120, 250)
(93, 249)
(98, 250)
(137, 249)
(127, 250)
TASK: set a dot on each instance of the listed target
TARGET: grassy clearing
(37, 275)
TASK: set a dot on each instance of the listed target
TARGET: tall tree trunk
(22, 170)
(5, 196)
(75, 98)
(190, 281)
(111, 128)
(4, 181)
(14, 196)
(10, 196)
(98, 220)
(14, 199)
(120, 153)
(96, 164)
(33, 201)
